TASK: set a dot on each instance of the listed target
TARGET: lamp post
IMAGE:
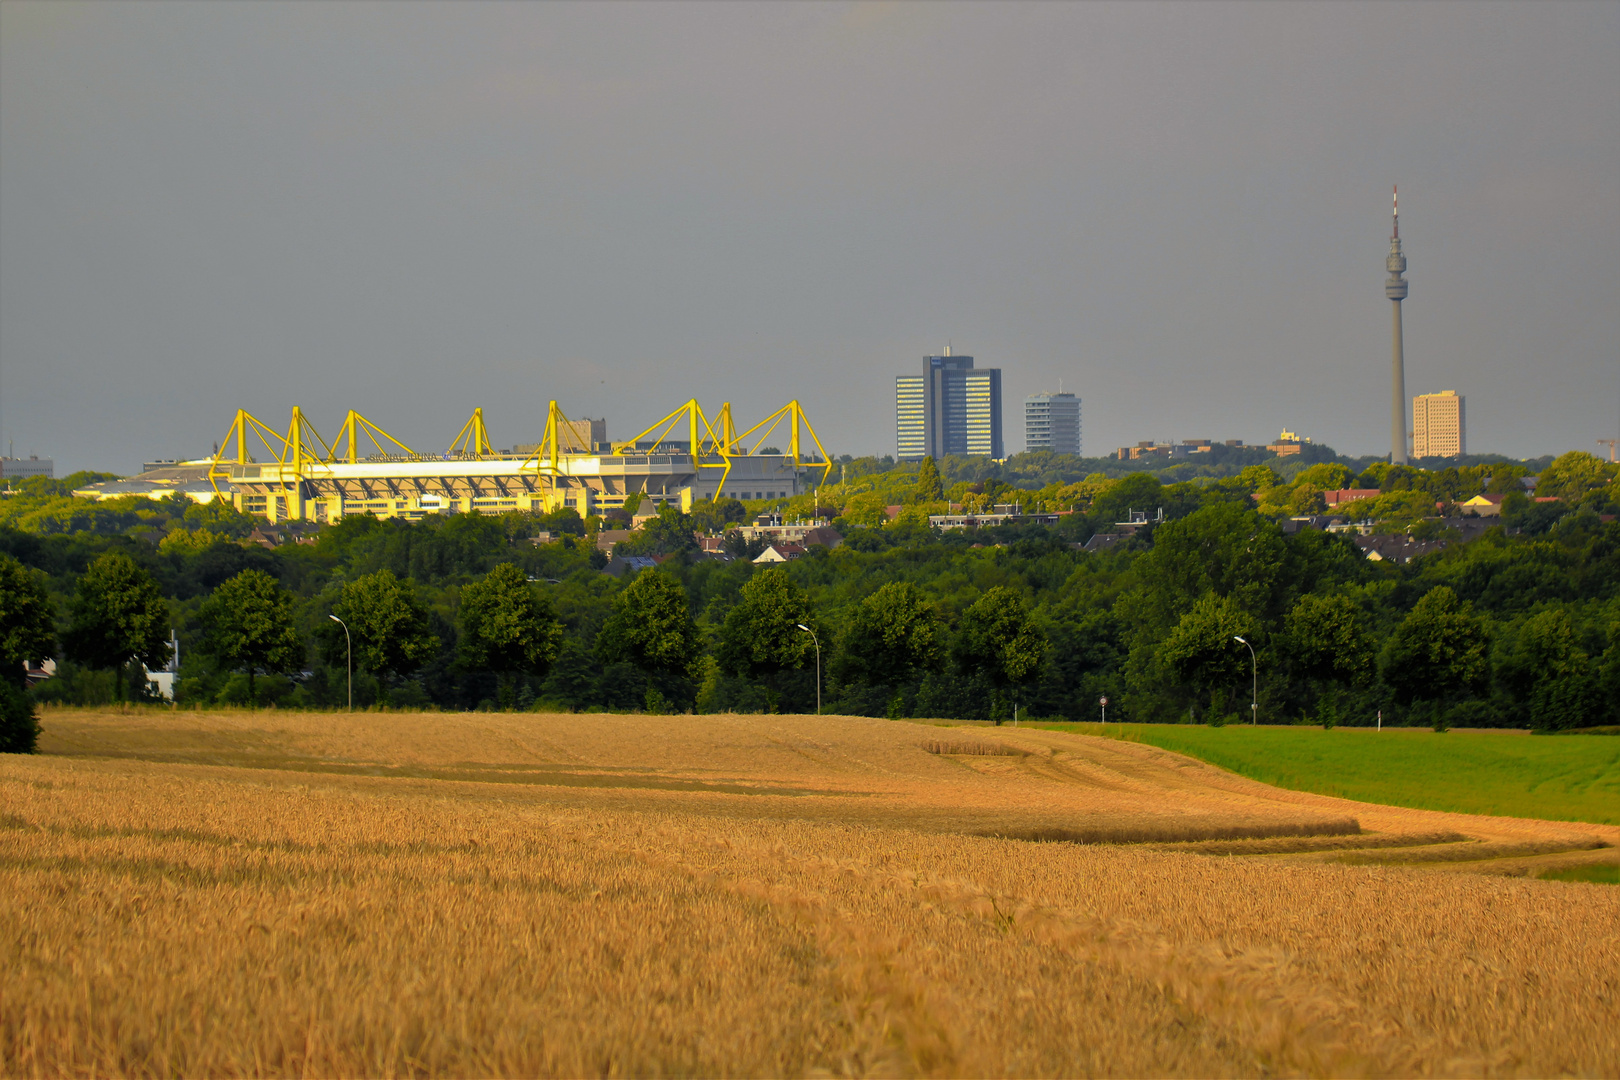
(817, 640)
(349, 642)
(1254, 696)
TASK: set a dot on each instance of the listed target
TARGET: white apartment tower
(1439, 425)
(1052, 422)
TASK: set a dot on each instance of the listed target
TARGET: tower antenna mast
(1395, 290)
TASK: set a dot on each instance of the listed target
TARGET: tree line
(1519, 627)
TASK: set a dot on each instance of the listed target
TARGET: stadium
(683, 459)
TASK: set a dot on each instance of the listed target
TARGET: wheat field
(417, 894)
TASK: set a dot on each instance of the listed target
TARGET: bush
(19, 727)
(1474, 713)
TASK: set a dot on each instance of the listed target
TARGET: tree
(715, 515)
(928, 487)
(997, 640)
(1201, 653)
(671, 531)
(1438, 652)
(388, 623)
(651, 628)
(118, 617)
(1223, 548)
(248, 626)
(1325, 645)
(891, 636)
(868, 509)
(507, 627)
(761, 635)
(1573, 475)
(1325, 477)
(1551, 674)
(564, 520)
(739, 546)
(27, 630)
(19, 727)
(1138, 491)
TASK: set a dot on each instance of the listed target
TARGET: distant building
(188, 478)
(804, 533)
(1439, 427)
(961, 409)
(910, 418)
(1349, 495)
(28, 466)
(1149, 448)
(1000, 514)
(583, 435)
(780, 551)
(1052, 422)
(1288, 444)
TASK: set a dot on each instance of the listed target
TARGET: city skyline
(416, 211)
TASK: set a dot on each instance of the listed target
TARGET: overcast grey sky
(1179, 210)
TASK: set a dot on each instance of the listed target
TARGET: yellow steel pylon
(473, 440)
(793, 413)
(301, 447)
(697, 426)
(355, 425)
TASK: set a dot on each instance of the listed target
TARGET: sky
(1178, 211)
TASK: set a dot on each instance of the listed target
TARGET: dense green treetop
(1324, 639)
(761, 635)
(928, 488)
(1439, 651)
(248, 625)
(507, 624)
(891, 635)
(27, 624)
(999, 640)
(1203, 652)
(651, 627)
(119, 616)
(388, 624)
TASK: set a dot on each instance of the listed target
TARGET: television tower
(1395, 289)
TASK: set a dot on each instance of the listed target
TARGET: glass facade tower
(959, 406)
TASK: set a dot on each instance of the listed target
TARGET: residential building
(804, 533)
(960, 408)
(1002, 514)
(1349, 495)
(780, 552)
(1052, 422)
(1439, 427)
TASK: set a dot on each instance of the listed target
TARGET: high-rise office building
(1439, 425)
(910, 418)
(960, 405)
(1052, 422)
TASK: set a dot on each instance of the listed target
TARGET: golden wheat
(515, 895)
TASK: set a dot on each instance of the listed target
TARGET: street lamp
(1254, 698)
(817, 640)
(350, 643)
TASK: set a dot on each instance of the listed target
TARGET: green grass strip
(1472, 772)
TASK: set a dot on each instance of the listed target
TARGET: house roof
(780, 551)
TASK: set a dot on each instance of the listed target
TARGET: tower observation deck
(1395, 290)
